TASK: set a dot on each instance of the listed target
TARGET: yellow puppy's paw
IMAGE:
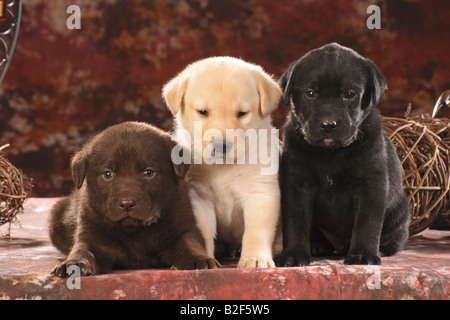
(253, 262)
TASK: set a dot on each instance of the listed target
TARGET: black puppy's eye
(349, 95)
(203, 113)
(310, 94)
(149, 173)
(242, 114)
(108, 174)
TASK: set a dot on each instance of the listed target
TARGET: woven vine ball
(12, 191)
(423, 146)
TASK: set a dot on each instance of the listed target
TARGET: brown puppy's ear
(375, 87)
(173, 92)
(80, 166)
(286, 83)
(180, 158)
(181, 169)
(269, 93)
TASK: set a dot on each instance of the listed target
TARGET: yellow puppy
(222, 108)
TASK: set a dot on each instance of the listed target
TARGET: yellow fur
(232, 201)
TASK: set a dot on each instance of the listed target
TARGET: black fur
(340, 177)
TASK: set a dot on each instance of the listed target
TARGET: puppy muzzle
(220, 148)
(130, 212)
(329, 133)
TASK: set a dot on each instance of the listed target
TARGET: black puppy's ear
(80, 166)
(286, 83)
(375, 87)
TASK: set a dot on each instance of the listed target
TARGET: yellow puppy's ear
(173, 92)
(269, 93)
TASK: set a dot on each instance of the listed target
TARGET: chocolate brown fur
(130, 208)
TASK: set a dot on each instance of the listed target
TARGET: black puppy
(131, 208)
(340, 176)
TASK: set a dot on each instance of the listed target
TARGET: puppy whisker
(359, 135)
(151, 221)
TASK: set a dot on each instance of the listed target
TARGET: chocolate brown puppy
(130, 208)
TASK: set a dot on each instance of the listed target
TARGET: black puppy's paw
(293, 260)
(363, 259)
(86, 268)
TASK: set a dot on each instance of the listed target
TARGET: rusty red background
(64, 85)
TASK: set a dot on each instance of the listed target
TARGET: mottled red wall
(64, 85)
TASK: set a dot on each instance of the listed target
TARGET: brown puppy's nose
(127, 204)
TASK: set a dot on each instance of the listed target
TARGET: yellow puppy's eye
(242, 114)
(203, 113)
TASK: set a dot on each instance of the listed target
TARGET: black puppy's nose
(328, 125)
(127, 204)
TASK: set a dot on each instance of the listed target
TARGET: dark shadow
(21, 243)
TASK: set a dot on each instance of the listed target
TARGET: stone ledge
(421, 271)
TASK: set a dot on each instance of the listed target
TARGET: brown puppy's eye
(203, 113)
(242, 114)
(108, 174)
(310, 94)
(149, 173)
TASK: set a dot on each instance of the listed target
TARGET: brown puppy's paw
(202, 262)
(86, 268)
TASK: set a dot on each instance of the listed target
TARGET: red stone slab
(421, 271)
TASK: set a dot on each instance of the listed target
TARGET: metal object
(9, 31)
(442, 107)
